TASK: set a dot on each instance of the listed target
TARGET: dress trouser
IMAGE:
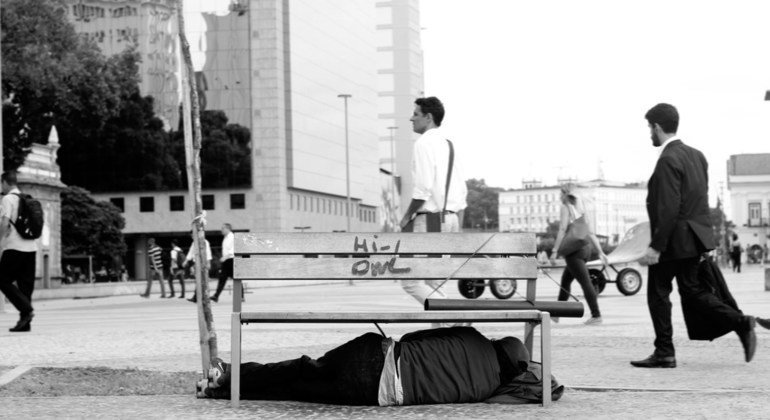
(349, 374)
(226, 272)
(659, 288)
(576, 269)
(17, 266)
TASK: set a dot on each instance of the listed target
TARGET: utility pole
(345, 97)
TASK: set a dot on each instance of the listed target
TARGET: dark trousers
(19, 267)
(176, 273)
(154, 275)
(659, 287)
(736, 257)
(576, 269)
(349, 374)
(226, 272)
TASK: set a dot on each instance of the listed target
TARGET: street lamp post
(345, 97)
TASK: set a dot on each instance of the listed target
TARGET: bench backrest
(384, 256)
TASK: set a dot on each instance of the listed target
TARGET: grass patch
(99, 381)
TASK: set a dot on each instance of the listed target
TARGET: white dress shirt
(228, 247)
(191, 254)
(666, 143)
(430, 162)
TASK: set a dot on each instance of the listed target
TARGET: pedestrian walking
(177, 268)
(156, 268)
(573, 242)
(192, 258)
(677, 205)
(17, 262)
(228, 254)
(735, 253)
(439, 192)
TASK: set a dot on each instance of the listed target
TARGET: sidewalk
(711, 381)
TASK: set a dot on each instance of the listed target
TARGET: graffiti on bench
(362, 267)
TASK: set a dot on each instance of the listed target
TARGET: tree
(110, 138)
(482, 208)
(52, 76)
(90, 227)
(226, 152)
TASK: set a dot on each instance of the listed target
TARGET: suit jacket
(677, 203)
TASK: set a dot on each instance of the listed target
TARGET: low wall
(95, 290)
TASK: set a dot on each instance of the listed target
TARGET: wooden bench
(387, 256)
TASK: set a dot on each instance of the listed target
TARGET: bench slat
(385, 268)
(385, 243)
(390, 317)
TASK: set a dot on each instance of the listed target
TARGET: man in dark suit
(678, 208)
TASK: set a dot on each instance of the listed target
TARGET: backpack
(180, 259)
(29, 222)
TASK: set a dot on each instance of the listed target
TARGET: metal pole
(345, 97)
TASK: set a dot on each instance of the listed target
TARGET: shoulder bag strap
(448, 176)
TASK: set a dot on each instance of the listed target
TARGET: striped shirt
(154, 254)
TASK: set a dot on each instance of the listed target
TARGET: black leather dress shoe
(24, 324)
(763, 322)
(748, 338)
(656, 362)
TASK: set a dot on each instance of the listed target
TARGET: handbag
(576, 236)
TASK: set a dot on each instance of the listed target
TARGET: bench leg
(529, 335)
(545, 356)
(235, 360)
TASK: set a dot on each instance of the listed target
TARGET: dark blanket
(703, 323)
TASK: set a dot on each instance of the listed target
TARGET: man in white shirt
(433, 208)
(177, 268)
(228, 253)
(17, 263)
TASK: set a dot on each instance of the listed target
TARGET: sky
(538, 89)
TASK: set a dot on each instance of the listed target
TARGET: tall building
(748, 180)
(278, 67)
(615, 207)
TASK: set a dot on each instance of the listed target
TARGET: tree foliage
(225, 153)
(90, 227)
(482, 208)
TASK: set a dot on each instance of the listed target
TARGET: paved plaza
(711, 380)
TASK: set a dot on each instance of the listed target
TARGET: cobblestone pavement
(161, 334)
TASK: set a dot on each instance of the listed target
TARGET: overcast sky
(535, 88)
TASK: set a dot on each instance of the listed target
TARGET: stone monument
(40, 177)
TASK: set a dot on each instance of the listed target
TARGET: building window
(176, 203)
(237, 201)
(755, 214)
(119, 202)
(146, 204)
(208, 202)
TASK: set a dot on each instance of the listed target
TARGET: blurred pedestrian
(156, 268)
(177, 268)
(576, 249)
(735, 253)
(192, 258)
(439, 192)
(17, 262)
(228, 254)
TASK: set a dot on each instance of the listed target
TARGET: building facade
(278, 67)
(614, 207)
(748, 181)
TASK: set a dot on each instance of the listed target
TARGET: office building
(277, 68)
